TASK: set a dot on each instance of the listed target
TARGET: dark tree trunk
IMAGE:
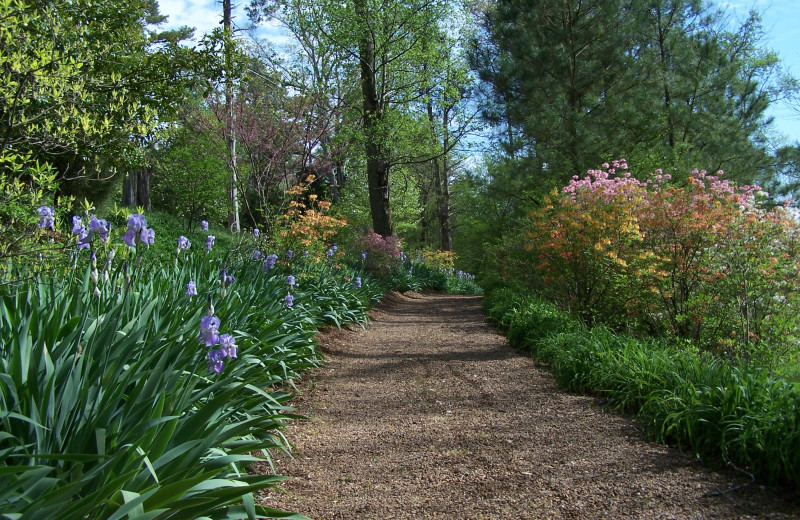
(136, 188)
(377, 163)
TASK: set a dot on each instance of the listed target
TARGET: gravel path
(429, 414)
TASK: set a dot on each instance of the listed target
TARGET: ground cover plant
(720, 411)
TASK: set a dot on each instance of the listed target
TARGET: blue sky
(781, 20)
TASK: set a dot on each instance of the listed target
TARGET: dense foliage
(719, 411)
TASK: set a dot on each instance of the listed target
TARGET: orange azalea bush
(701, 262)
(306, 225)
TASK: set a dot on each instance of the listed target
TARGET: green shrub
(718, 410)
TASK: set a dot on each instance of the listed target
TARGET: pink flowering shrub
(701, 262)
(381, 252)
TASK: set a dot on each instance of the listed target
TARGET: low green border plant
(721, 412)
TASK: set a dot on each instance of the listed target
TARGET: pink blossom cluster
(608, 183)
(614, 182)
(381, 251)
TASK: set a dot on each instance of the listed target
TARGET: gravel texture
(429, 414)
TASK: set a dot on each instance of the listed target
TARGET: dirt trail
(428, 414)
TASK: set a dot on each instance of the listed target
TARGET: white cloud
(203, 15)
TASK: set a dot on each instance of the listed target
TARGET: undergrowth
(720, 411)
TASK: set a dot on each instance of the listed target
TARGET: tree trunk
(136, 188)
(377, 163)
(233, 217)
(444, 186)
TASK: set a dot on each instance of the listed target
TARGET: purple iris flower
(256, 232)
(47, 215)
(215, 362)
(257, 255)
(306, 253)
(183, 243)
(335, 247)
(77, 225)
(290, 281)
(330, 252)
(227, 279)
(364, 255)
(99, 226)
(358, 283)
(209, 326)
(289, 300)
(204, 225)
(129, 237)
(289, 254)
(138, 231)
(83, 235)
(147, 236)
(227, 345)
(137, 222)
(210, 242)
(191, 289)
(270, 261)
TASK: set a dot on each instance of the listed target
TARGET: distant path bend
(429, 414)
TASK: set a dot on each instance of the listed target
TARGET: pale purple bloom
(270, 261)
(183, 243)
(215, 363)
(129, 237)
(256, 232)
(290, 281)
(77, 225)
(306, 253)
(204, 225)
(210, 242)
(147, 236)
(99, 226)
(257, 255)
(47, 215)
(289, 254)
(227, 345)
(289, 300)
(227, 279)
(358, 283)
(335, 247)
(209, 326)
(83, 235)
(330, 252)
(191, 289)
(138, 231)
(137, 222)
(364, 255)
